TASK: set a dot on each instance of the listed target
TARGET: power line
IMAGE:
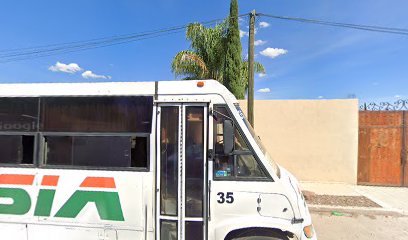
(391, 30)
(77, 49)
(20, 54)
(64, 48)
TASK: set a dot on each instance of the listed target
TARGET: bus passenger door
(181, 167)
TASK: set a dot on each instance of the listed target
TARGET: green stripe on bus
(21, 201)
(44, 203)
(107, 204)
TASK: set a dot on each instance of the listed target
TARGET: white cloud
(273, 52)
(90, 74)
(243, 33)
(264, 90)
(66, 68)
(261, 75)
(397, 96)
(264, 24)
(320, 97)
(259, 42)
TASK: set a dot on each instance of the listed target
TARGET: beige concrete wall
(316, 140)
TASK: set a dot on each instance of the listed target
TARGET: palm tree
(258, 68)
(205, 60)
(206, 57)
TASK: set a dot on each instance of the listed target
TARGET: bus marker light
(309, 231)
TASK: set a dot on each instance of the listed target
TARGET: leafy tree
(233, 57)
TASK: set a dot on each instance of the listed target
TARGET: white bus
(173, 160)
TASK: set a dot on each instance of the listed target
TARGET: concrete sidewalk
(391, 199)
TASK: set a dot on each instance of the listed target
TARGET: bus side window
(97, 132)
(241, 163)
(97, 151)
(18, 125)
(16, 149)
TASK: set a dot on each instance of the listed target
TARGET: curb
(357, 210)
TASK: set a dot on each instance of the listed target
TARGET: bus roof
(184, 87)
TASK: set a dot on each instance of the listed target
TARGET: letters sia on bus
(107, 202)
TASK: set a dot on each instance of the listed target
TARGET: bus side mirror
(228, 136)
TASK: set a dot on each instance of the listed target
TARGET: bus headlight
(309, 231)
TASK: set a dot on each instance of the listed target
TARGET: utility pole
(251, 68)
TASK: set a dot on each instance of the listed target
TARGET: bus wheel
(258, 238)
(258, 234)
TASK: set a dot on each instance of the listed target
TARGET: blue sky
(319, 61)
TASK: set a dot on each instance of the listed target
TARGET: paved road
(362, 227)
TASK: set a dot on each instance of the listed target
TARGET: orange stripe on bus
(16, 179)
(99, 182)
(50, 181)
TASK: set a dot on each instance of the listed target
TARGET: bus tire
(258, 234)
(258, 238)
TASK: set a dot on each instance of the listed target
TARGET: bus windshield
(258, 140)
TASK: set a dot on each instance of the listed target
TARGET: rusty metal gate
(383, 144)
